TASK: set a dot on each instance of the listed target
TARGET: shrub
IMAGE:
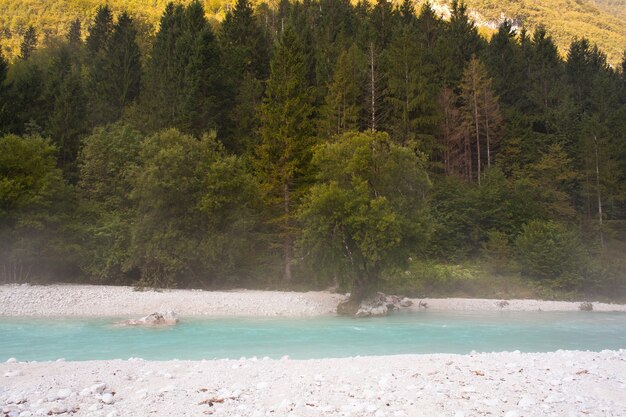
(549, 252)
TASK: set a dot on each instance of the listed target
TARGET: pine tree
(480, 110)
(115, 70)
(6, 108)
(410, 95)
(124, 63)
(459, 42)
(100, 31)
(383, 20)
(245, 54)
(29, 43)
(286, 136)
(504, 61)
(456, 151)
(343, 104)
(183, 76)
(74, 34)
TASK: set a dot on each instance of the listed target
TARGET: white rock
(11, 360)
(64, 393)
(11, 374)
(57, 409)
(112, 414)
(526, 401)
(85, 392)
(107, 398)
(459, 414)
(551, 399)
(98, 388)
(512, 413)
(25, 414)
(94, 407)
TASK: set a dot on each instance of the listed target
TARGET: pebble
(11, 360)
(512, 413)
(107, 398)
(64, 393)
(526, 402)
(98, 388)
(57, 409)
(11, 374)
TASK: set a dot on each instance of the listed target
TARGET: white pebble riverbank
(97, 300)
(563, 383)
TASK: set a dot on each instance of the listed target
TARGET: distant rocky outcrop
(165, 318)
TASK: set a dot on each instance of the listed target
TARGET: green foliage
(108, 163)
(509, 131)
(31, 210)
(366, 211)
(195, 212)
(183, 74)
(551, 252)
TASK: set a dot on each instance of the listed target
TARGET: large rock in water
(376, 305)
(165, 318)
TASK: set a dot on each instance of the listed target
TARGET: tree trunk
(288, 241)
(595, 141)
(487, 132)
(373, 87)
(477, 134)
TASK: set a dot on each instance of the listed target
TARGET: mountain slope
(602, 21)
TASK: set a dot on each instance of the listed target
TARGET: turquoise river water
(306, 338)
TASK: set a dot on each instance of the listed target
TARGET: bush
(547, 251)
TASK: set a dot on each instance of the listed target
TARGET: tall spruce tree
(245, 54)
(286, 132)
(458, 43)
(481, 112)
(411, 97)
(343, 109)
(29, 43)
(183, 85)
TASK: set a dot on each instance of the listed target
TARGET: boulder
(381, 304)
(166, 318)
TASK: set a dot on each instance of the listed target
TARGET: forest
(314, 144)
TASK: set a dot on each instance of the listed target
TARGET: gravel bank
(498, 384)
(98, 300)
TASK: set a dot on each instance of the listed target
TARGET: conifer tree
(115, 70)
(286, 137)
(183, 75)
(29, 43)
(410, 96)
(74, 34)
(460, 41)
(480, 111)
(343, 106)
(504, 61)
(245, 52)
(100, 31)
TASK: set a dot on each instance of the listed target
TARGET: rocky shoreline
(562, 383)
(514, 384)
(107, 301)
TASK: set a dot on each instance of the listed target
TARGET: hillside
(602, 21)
